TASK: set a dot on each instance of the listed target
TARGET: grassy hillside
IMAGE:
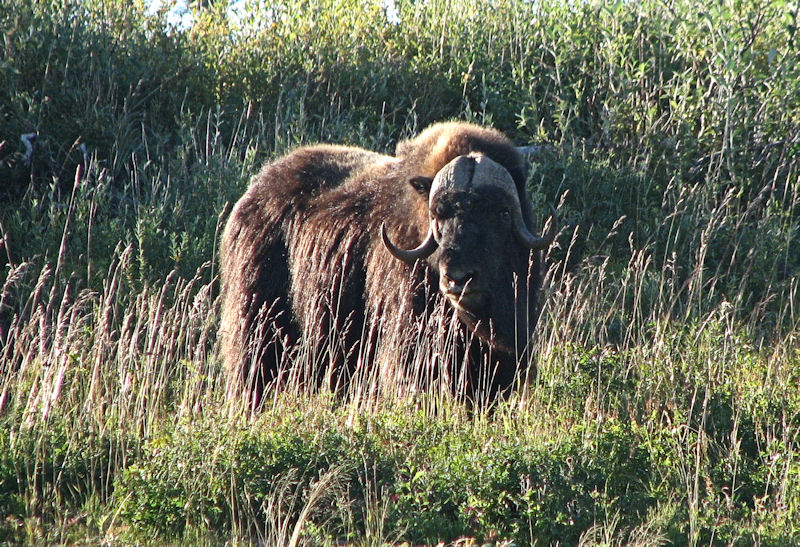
(667, 404)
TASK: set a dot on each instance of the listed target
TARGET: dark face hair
(475, 237)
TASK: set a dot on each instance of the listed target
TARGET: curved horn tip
(546, 240)
(424, 250)
(531, 241)
(533, 152)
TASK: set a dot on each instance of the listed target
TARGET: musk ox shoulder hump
(440, 143)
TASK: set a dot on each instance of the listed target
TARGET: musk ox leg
(492, 376)
(476, 372)
(256, 320)
(488, 373)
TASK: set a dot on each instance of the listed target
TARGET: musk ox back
(366, 263)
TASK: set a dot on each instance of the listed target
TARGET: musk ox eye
(444, 212)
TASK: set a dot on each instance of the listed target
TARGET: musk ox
(364, 262)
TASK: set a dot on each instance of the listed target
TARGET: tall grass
(666, 406)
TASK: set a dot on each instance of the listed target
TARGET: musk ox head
(477, 240)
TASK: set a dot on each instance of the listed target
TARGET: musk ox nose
(460, 287)
(456, 279)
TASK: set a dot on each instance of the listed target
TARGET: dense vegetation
(666, 408)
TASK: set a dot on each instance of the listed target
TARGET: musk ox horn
(528, 239)
(533, 151)
(424, 250)
(463, 173)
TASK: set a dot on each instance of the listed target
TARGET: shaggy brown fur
(303, 264)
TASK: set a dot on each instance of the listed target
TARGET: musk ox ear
(422, 185)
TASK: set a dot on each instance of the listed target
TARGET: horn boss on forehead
(487, 173)
(467, 172)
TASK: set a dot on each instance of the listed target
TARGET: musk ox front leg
(505, 328)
